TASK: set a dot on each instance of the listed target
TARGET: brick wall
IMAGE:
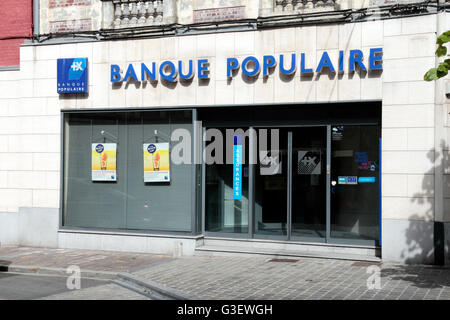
(15, 27)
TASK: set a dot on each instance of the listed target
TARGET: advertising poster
(156, 162)
(104, 162)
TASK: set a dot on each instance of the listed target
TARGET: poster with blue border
(72, 75)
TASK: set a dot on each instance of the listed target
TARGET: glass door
(309, 183)
(271, 184)
(291, 184)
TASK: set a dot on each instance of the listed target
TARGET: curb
(162, 291)
(103, 275)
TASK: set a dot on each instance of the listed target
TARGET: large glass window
(126, 201)
(355, 182)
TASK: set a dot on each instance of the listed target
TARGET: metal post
(289, 189)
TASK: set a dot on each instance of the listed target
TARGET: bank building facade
(262, 127)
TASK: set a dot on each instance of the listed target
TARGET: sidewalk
(242, 277)
(103, 264)
(306, 278)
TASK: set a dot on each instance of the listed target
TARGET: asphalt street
(15, 286)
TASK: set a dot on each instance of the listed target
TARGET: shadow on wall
(426, 239)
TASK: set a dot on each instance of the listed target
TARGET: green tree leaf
(441, 51)
(431, 75)
(443, 38)
(444, 67)
(442, 70)
(447, 63)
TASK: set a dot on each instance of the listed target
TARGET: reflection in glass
(309, 150)
(128, 203)
(271, 188)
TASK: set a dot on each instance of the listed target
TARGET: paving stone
(304, 279)
(252, 277)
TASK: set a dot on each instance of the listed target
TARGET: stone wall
(59, 16)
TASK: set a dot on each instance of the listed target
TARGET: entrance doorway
(316, 183)
(290, 201)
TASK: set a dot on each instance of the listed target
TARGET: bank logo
(309, 162)
(99, 148)
(151, 148)
(76, 66)
(73, 75)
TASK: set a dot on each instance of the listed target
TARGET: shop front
(295, 140)
(305, 173)
(309, 173)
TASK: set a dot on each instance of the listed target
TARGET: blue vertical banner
(237, 167)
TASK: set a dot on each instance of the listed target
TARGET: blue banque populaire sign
(73, 75)
(251, 66)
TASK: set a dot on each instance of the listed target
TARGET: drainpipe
(36, 18)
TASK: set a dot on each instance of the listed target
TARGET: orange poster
(156, 162)
(104, 162)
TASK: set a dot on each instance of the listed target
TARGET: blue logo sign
(99, 148)
(72, 75)
(151, 148)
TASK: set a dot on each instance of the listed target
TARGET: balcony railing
(303, 6)
(132, 13)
